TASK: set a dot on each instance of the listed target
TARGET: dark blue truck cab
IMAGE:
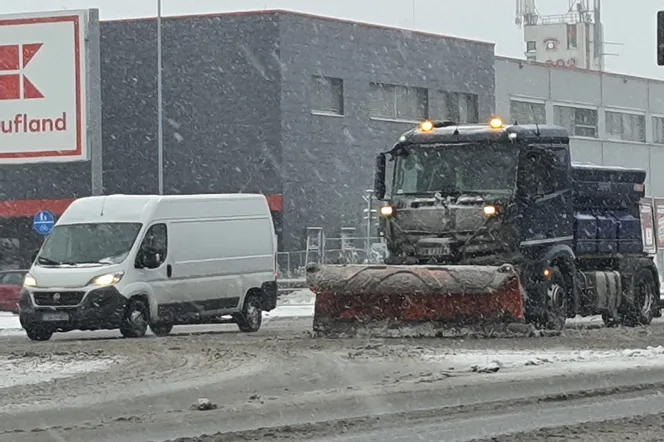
(573, 231)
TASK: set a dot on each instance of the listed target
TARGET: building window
(526, 112)
(531, 46)
(401, 103)
(625, 127)
(461, 107)
(658, 130)
(580, 122)
(327, 95)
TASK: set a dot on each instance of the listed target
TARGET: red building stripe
(29, 208)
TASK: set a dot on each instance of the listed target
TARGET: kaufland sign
(43, 87)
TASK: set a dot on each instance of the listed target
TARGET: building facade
(613, 120)
(280, 103)
(289, 105)
(348, 91)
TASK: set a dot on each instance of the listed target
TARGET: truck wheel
(161, 329)
(556, 303)
(39, 333)
(251, 317)
(135, 322)
(642, 310)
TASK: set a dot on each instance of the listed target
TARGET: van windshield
(94, 243)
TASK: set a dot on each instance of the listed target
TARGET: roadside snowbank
(300, 297)
(24, 370)
(293, 305)
(290, 311)
(492, 361)
(9, 323)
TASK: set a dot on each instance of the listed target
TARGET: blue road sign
(44, 222)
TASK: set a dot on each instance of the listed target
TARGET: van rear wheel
(135, 322)
(161, 329)
(249, 320)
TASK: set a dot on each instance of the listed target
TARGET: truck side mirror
(379, 178)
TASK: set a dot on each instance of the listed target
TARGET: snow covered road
(9, 324)
(96, 386)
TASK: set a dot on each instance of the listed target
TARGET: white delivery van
(132, 261)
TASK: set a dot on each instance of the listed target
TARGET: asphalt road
(511, 422)
(281, 375)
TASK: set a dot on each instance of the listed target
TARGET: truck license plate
(55, 316)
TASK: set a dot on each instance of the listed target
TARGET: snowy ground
(9, 323)
(293, 305)
(23, 370)
(489, 361)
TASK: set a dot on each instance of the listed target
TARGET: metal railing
(292, 264)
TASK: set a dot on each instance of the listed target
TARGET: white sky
(489, 20)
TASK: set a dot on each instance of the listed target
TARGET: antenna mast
(574, 39)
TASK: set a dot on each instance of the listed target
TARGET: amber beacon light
(426, 126)
(496, 123)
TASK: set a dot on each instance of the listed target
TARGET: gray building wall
(221, 104)
(328, 161)
(237, 106)
(517, 79)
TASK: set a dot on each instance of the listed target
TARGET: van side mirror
(147, 260)
(379, 178)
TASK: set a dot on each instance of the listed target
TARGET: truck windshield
(456, 169)
(94, 243)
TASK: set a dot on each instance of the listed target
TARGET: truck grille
(62, 298)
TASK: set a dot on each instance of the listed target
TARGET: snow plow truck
(491, 225)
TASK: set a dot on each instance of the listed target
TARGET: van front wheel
(135, 322)
(249, 320)
(39, 333)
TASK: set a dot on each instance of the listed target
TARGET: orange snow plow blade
(400, 301)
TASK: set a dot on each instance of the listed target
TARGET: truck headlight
(106, 280)
(29, 281)
(490, 210)
(387, 210)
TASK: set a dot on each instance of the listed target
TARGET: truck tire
(642, 310)
(556, 303)
(249, 320)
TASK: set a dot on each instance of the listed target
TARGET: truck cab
(493, 194)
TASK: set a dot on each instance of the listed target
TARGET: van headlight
(29, 281)
(106, 280)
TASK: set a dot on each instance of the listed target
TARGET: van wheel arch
(143, 297)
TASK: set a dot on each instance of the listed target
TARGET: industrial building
(286, 104)
(297, 106)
